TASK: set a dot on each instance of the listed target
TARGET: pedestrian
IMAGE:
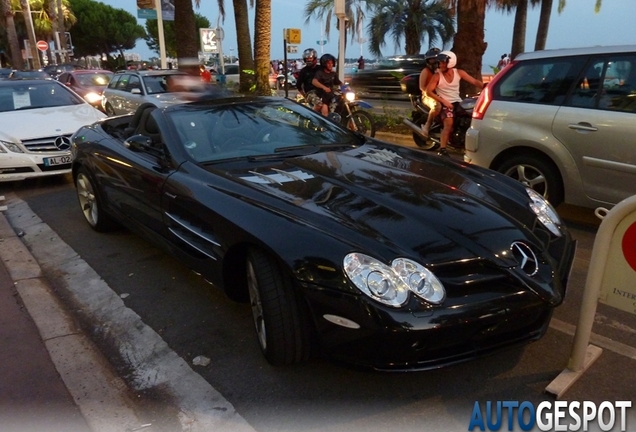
(361, 63)
(502, 62)
(206, 75)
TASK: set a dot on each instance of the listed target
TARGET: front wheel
(279, 318)
(361, 122)
(537, 173)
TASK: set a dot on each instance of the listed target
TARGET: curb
(87, 375)
(198, 406)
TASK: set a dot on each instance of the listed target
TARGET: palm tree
(413, 20)
(244, 44)
(186, 30)
(262, 42)
(12, 36)
(324, 9)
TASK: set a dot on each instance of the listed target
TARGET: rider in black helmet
(324, 80)
(306, 74)
(425, 77)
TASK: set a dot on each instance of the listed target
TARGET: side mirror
(135, 91)
(138, 143)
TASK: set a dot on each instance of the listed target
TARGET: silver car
(564, 123)
(127, 90)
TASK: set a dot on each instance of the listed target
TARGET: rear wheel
(279, 318)
(90, 203)
(536, 173)
(362, 122)
(434, 136)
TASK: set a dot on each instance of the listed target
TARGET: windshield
(22, 95)
(93, 79)
(255, 130)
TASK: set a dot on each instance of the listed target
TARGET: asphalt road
(194, 318)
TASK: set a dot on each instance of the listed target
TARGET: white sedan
(37, 119)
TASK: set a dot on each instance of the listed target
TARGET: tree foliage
(414, 21)
(152, 34)
(103, 29)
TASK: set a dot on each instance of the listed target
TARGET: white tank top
(449, 90)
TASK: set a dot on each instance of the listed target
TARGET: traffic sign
(322, 42)
(292, 49)
(292, 36)
(42, 45)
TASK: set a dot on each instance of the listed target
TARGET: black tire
(279, 318)
(109, 110)
(434, 136)
(537, 173)
(364, 123)
(91, 204)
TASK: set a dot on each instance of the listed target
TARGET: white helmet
(448, 57)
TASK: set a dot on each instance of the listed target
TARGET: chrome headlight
(350, 96)
(391, 285)
(12, 147)
(545, 212)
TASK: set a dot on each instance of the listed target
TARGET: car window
(252, 130)
(114, 81)
(133, 83)
(123, 82)
(544, 81)
(231, 70)
(156, 84)
(23, 96)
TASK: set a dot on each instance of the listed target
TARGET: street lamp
(231, 55)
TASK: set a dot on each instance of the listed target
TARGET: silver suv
(127, 90)
(562, 122)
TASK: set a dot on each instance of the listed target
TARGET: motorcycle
(345, 109)
(291, 80)
(419, 115)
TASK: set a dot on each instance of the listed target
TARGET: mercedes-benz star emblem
(526, 258)
(62, 143)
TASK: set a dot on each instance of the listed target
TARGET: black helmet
(310, 55)
(432, 53)
(325, 58)
(431, 58)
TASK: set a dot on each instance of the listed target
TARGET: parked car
(38, 118)
(54, 70)
(88, 83)
(382, 255)
(384, 79)
(28, 74)
(129, 89)
(562, 122)
(232, 77)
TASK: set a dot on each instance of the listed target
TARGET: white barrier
(612, 267)
(2, 207)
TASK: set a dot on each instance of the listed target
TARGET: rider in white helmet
(444, 88)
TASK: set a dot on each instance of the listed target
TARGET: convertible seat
(134, 123)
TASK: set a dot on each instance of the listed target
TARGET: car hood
(399, 202)
(47, 122)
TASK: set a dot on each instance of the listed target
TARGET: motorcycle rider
(425, 77)
(444, 88)
(324, 80)
(306, 75)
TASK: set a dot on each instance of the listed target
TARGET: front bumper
(21, 166)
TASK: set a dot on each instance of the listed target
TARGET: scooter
(419, 115)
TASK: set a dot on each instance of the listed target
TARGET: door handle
(583, 126)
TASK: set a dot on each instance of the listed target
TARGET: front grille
(44, 168)
(40, 145)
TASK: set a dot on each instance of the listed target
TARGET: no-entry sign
(42, 45)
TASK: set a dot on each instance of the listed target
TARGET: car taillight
(486, 94)
(482, 104)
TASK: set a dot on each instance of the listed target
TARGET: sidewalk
(53, 378)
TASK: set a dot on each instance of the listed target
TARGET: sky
(576, 26)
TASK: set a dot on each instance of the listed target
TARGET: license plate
(58, 160)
